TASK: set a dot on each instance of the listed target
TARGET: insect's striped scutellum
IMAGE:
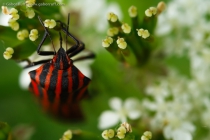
(59, 86)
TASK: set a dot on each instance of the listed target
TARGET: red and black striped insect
(58, 84)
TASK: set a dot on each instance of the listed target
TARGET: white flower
(120, 111)
(170, 114)
(206, 113)
(91, 19)
(184, 132)
(183, 27)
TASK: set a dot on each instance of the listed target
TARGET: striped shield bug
(57, 84)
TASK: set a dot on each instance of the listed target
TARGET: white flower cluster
(131, 109)
(179, 101)
(172, 105)
(190, 28)
(92, 16)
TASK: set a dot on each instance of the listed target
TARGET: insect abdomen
(59, 91)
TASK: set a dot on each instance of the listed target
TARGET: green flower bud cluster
(124, 131)
(132, 44)
(26, 28)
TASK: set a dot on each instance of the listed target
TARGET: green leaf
(8, 37)
(129, 136)
(4, 131)
(22, 49)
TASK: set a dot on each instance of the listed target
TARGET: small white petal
(123, 118)
(188, 126)
(115, 103)
(131, 103)
(181, 135)
(167, 132)
(108, 119)
(132, 106)
(134, 114)
(149, 105)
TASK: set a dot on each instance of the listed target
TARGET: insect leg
(64, 28)
(89, 56)
(79, 46)
(31, 64)
(42, 41)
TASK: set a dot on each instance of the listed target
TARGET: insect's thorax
(61, 60)
(59, 75)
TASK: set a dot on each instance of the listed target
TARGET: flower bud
(121, 43)
(8, 53)
(107, 134)
(112, 17)
(30, 3)
(126, 28)
(151, 11)
(143, 33)
(107, 42)
(112, 31)
(50, 23)
(13, 24)
(21, 35)
(132, 11)
(29, 13)
(5, 10)
(161, 7)
(33, 34)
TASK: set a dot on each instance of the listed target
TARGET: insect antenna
(60, 39)
(67, 28)
(47, 32)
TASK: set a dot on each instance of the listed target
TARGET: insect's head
(61, 60)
